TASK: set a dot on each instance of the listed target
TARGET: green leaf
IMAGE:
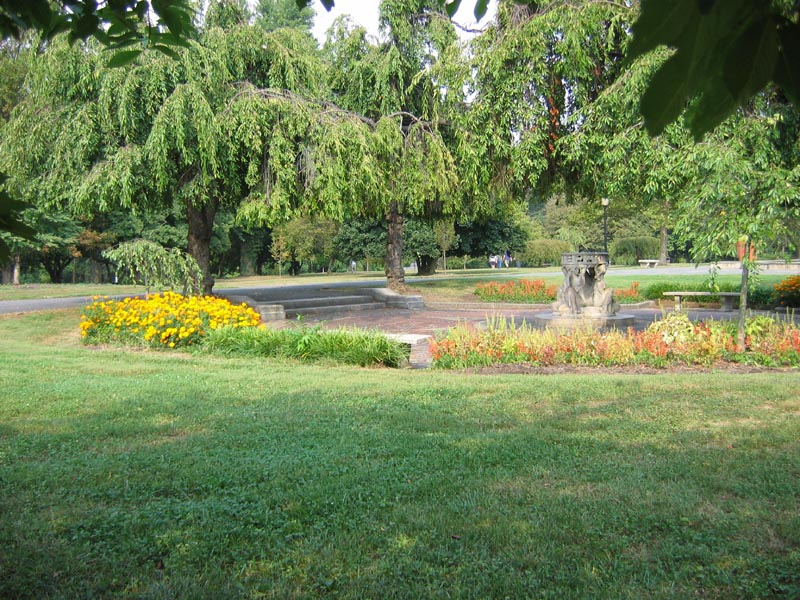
(660, 23)
(787, 68)
(41, 12)
(751, 59)
(141, 9)
(166, 50)
(173, 40)
(118, 28)
(666, 95)
(125, 57)
(452, 7)
(714, 106)
(85, 26)
(128, 39)
(480, 9)
(173, 19)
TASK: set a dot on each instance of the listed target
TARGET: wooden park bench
(726, 299)
(649, 262)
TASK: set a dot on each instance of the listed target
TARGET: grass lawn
(445, 286)
(70, 290)
(462, 288)
(168, 475)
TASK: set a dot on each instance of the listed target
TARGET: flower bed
(216, 326)
(537, 291)
(787, 292)
(629, 295)
(673, 340)
(162, 320)
(528, 291)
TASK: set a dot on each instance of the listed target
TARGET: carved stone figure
(584, 292)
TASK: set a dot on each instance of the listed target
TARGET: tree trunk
(96, 273)
(740, 331)
(54, 264)
(16, 267)
(201, 228)
(247, 258)
(662, 255)
(395, 275)
(426, 265)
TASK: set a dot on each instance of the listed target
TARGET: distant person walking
(352, 266)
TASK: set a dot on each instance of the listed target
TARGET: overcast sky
(365, 12)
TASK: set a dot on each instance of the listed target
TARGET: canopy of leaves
(150, 264)
(275, 14)
(120, 24)
(536, 70)
(725, 53)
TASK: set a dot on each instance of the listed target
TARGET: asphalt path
(302, 290)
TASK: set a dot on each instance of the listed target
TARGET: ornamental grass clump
(168, 320)
(310, 344)
(670, 341)
(527, 291)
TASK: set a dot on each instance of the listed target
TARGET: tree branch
(331, 108)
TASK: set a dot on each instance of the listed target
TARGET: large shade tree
(612, 156)
(392, 83)
(744, 185)
(536, 71)
(154, 133)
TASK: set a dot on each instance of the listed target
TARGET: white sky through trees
(365, 12)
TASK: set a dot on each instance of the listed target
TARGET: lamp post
(604, 202)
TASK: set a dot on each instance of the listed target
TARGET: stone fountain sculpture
(584, 292)
(583, 299)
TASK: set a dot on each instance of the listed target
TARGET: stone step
(330, 309)
(322, 301)
(276, 305)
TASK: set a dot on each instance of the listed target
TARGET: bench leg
(677, 304)
(726, 304)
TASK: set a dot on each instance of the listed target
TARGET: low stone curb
(420, 356)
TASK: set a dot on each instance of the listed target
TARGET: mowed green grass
(452, 283)
(459, 286)
(168, 475)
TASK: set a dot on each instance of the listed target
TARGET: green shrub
(674, 327)
(544, 251)
(762, 296)
(629, 251)
(655, 291)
